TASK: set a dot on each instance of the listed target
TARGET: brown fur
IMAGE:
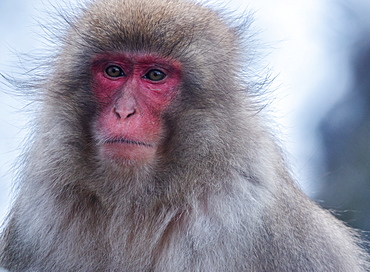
(217, 198)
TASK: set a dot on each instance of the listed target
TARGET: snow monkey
(149, 154)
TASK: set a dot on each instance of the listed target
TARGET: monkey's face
(132, 91)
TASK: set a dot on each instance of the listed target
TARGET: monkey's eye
(114, 71)
(155, 75)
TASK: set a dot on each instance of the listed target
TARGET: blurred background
(319, 51)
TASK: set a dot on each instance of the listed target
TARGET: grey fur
(217, 198)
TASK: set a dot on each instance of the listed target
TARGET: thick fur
(218, 196)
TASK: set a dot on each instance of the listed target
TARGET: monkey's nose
(124, 113)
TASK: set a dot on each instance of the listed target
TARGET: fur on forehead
(174, 28)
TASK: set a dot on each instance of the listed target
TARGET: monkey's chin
(128, 152)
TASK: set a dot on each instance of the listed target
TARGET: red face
(132, 90)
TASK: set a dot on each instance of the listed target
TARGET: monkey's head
(147, 77)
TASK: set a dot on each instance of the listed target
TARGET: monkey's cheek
(128, 153)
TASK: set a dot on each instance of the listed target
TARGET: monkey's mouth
(126, 141)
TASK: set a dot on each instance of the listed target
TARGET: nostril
(132, 113)
(116, 113)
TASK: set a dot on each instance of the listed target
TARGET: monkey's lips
(123, 149)
(126, 141)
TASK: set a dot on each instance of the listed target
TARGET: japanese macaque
(150, 154)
